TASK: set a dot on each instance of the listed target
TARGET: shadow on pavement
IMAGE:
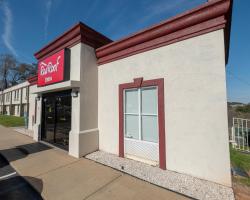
(16, 188)
(22, 151)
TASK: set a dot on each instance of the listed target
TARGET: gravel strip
(185, 184)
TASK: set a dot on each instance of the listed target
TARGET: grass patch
(11, 121)
(242, 161)
(239, 159)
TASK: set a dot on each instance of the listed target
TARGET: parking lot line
(7, 175)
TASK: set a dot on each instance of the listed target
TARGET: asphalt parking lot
(13, 186)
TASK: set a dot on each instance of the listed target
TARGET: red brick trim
(78, 33)
(138, 82)
(32, 80)
(209, 17)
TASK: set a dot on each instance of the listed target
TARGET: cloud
(119, 18)
(7, 33)
(144, 14)
(168, 7)
(48, 5)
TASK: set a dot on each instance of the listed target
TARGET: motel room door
(57, 119)
(141, 138)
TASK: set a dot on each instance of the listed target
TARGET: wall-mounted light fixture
(38, 98)
(75, 92)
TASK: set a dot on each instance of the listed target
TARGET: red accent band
(209, 17)
(32, 80)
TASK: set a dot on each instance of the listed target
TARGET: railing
(240, 134)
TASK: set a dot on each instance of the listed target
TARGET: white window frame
(139, 114)
(17, 95)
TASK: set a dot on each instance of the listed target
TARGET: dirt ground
(241, 192)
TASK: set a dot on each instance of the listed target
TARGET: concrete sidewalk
(56, 175)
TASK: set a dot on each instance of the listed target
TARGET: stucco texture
(195, 103)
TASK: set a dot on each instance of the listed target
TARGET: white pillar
(37, 126)
(75, 127)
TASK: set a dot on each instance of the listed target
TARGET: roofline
(23, 85)
(211, 16)
(227, 32)
(78, 33)
(32, 80)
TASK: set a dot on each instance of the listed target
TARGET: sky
(28, 25)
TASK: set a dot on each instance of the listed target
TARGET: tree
(12, 72)
(21, 72)
(7, 64)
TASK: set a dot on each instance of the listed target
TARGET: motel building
(157, 96)
(15, 100)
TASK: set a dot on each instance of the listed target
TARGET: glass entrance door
(48, 120)
(63, 120)
(57, 118)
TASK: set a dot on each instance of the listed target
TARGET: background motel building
(14, 100)
(157, 96)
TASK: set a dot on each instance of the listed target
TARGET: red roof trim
(32, 80)
(78, 33)
(206, 18)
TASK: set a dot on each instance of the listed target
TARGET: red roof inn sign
(53, 69)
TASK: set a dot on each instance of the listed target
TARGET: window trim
(139, 83)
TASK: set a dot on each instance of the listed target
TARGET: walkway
(56, 175)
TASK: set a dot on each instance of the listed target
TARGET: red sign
(51, 69)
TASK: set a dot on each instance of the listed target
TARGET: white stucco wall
(195, 103)
(84, 133)
(75, 62)
(31, 114)
(89, 89)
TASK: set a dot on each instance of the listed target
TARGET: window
(141, 114)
